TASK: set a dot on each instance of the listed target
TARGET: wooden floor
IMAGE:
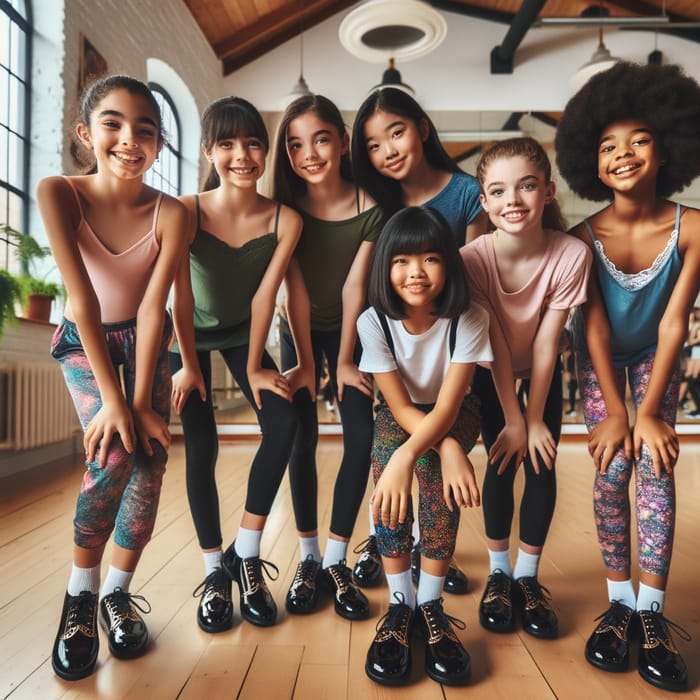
(322, 655)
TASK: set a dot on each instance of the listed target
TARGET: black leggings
(539, 496)
(358, 425)
(277, 424)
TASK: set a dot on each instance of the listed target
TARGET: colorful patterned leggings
(123, 496)
(655, 499)
(438, 526)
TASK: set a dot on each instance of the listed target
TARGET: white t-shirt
(423, 360)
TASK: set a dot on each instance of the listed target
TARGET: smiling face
(123, 134)
(515, 194)
(315, 148)
(394, 143)
(240, 161)
(418, 279)
(628, 156)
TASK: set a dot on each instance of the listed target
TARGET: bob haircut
(230, 118)
(662, 97)
(288, 187)
(417, 230)
(385, 191)
(531, 150)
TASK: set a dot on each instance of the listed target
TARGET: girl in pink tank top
(117, 244)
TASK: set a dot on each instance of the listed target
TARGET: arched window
(15, 57)
(165, 173)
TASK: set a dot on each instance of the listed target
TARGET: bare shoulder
(173, 217)
(52, 186)
(290, 221)
(690, 229)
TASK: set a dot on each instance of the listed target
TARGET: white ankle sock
(84, 580)
(401, 588)
(415, 533)
(500, 560)
(248, 543)
(372, 530)
(116, 579)
(526, 565)
(622, 592)
(309, 545)
(212, 561)
(336, 551)
(429, 588)
(647, 596)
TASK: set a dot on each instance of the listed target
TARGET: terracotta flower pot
(38, 307)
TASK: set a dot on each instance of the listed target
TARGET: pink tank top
(119, 280)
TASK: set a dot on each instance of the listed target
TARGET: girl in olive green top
(331, 264)
(224, 300)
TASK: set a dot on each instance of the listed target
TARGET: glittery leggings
(438, 525)
(655, 499)
(123, 496)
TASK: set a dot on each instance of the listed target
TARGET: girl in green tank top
(225, 293)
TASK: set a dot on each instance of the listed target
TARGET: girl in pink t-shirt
(528, 275)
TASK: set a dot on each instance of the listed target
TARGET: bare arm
(354, 295)
(262, 308)
(477, 226)
(545, 351)
(299, 318)
(61, 221)
(172, 231)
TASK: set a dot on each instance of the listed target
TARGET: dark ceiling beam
(502, 56)
(272, 30)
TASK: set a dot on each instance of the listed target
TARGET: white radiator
(35, 406)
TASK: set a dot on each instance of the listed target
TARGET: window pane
(17, 96)
(5, 106)
(16, 164)
(4, 39)
(18, 49)
(3, 154)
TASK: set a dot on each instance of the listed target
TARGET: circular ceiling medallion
(402, 29)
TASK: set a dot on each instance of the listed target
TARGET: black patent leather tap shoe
(659, 662)
(532, 601)
(257, 604)
(446, 660)
(608, 648)
(127, 633)
(496, 606)
(349, 601)
(455, 580)
(215, 609)
(302, 596)
(389, 656)
(77, 643)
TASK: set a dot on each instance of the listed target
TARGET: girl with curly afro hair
(632, 135)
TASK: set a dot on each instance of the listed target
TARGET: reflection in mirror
(464, 135)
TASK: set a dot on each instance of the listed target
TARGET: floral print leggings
(655, 499)
(123, 496)
(438, 525)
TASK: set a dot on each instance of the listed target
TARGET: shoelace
(306, 572)
(213, 586)
(616, 619)
(120, 606)
(341, 576)
(367, 549)
(81, 616)
(656, 628)
(439, 621)
(498, 587)
(394, 622)
(535, 593)
(254, 568)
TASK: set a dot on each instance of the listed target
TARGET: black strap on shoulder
(387, 332)
(390, 340)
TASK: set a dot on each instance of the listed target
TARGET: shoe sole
(665, 685)
(449, 680)
(498, 630)
(610, 668)
(78, 675)
(213, 629)
(540, 635)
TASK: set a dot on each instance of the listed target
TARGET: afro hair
(662, 97)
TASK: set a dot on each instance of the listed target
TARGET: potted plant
(37, 294)
(10, 294)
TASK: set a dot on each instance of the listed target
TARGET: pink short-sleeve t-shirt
(560, 282)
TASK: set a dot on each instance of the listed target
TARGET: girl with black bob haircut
(414, 234)
(421, 339)
(632, 135)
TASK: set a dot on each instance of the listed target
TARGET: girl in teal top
(325, 297)
(240, 246)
